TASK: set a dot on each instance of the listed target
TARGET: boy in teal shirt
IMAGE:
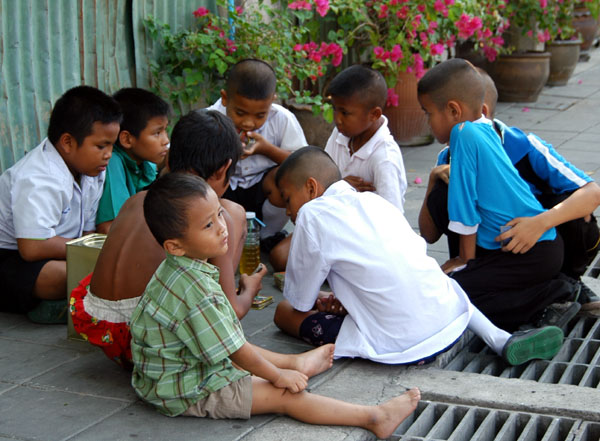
(141, 146)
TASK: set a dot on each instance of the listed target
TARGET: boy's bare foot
(388, 416)
(315, 361)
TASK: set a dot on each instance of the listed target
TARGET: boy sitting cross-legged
(186, 338)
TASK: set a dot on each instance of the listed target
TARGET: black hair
(167, 202)
(365, 84)
(491, 93)
(139, 106)
(308, 162)
(202, 142)
(78, 109)
(454, 79)
(252, 79)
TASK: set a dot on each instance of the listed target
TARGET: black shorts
(251, 198)
(17, 279)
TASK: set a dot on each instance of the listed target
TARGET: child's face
(152, 143)
(92, 155)
(206, 235)
(351, 117)
(247, 115)
(294, 197)
(441, 121)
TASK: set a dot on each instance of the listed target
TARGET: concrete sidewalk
(52, 388)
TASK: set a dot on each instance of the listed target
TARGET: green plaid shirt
(182, 333)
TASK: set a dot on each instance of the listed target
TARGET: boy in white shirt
(393, 304)
(49, 197)
(361, 144)
(269, 133)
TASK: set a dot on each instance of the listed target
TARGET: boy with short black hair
(485, 193)
(361, 144)
(186, 338)
(50, 197)
(204, 143)
(141, 146)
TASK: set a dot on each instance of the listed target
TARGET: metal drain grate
(439, 421)
(577, 363)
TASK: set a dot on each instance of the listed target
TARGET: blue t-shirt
(485, 189)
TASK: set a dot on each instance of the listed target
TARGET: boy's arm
(427, 227)
(526, 231)
(263, 147)
(467, 247)
(38, 249)
(250, 360)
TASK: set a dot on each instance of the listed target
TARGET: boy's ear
(313, 188)
(376, 113)
(485, 110)
(67, 142)
(174, 247)
(455, 109)
(224, 97)
(125, 139)
(221, 172)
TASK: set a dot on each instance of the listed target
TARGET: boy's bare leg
(51, 283)
(289, 319)
(382, 420)
(278, 256)
(310, 363)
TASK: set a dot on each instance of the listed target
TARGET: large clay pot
(520, 77)
(564, 55)
(586, 25)
(408, 122)
(315, 128)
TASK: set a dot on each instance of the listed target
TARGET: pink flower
(543, 36)
(421, 8)
(322, 7)
(490, 53)
(379, 52)
(437, 49)
(201, 12)
(297, 47)
(498, 41)
(300, 4)
(530, 33)
(419, 68)
(467, 25)
(392, 98)
(439, 6)
(525, 109)
(396, 53)
(543, 3)
(383, 11)
(402, 13)
(418, 180)
(449, 2)
(239, 10)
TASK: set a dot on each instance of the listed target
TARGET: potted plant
(564, 46)
(585, 21)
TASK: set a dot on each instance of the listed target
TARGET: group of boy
(177, 319)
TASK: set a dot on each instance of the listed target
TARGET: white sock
(493, 336)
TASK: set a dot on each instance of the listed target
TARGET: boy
(141, 146)
(49, 197)
(400, 306)
(361, 144)
(203, 143)
(186, 338)
(568, 193)
(270, 133)
(485, 193)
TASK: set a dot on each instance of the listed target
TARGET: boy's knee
(282, 313)
(278, 256)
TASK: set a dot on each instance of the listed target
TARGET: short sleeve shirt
(281, 129)
(378, 161)
(40, 199)
(485, 189)
(124, 178)
(182, 334)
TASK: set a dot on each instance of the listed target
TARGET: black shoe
(588, 298)
(534, 344)
(558, 314)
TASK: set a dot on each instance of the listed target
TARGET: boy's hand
(441, 172)
(253, 282)
(453, 264)
(359, 183)
(294, 381)
(523, 235)
(331, 305)
(255, 145)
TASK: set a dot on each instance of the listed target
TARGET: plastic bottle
(251, 252)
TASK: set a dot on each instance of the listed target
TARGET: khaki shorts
(232, 401)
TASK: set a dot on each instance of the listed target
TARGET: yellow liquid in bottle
(250, 258)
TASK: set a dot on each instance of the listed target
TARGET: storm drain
(440, 421)
(577, 363)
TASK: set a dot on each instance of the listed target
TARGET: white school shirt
(401, 306)
(40, 199)
(281, 129)
(378, 161)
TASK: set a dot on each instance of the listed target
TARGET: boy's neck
(356, 142)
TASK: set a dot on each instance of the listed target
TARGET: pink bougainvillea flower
(543, 3)
(378, 51)
(419, 68)
(239, 10)
(201, 12)
(580, 82)
(437, 49)
(467, 25)
(383, 11)
(402, 13)
(297, 47)
(322, 7)
(449, 2)
(525, 109)
(543, 36)
(490, 53)
(530, 33)
(396, 53)
(421, 8)
(392, 98)
(418, 180)
(300, 4)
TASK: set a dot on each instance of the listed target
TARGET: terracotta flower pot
(586, 25)
(520, 77)
(407, 122)
(564, 55)
(315, 128)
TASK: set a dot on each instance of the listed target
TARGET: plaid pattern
(183, 331)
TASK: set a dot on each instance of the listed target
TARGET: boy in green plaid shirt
(189, 351)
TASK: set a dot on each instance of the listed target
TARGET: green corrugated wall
(49, 46)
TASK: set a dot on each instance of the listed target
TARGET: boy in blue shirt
(142, 145)
(49, 197)
(485, 193)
